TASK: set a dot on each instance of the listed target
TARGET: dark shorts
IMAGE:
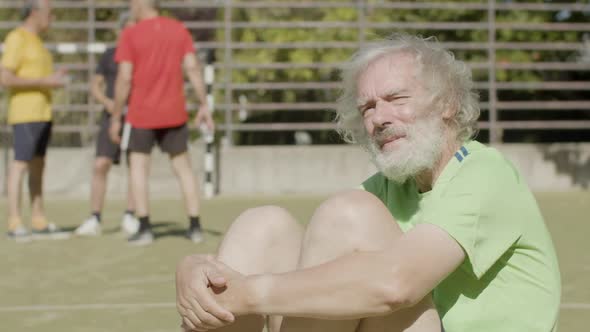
(172, 140)
(105, 147)
(30, 139)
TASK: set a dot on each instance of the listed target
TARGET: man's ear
(448, 113)
(450, 110)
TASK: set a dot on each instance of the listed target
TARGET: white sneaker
(129, 224)
(90, 227)
(20, 234)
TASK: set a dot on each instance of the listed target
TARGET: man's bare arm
(11, 80)
(361, 284)
(97, 89)
(122, 88)
(193, 70)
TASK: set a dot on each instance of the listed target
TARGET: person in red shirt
(151, 57)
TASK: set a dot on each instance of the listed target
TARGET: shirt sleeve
(125, 51)
(477, 208)
(13, 51)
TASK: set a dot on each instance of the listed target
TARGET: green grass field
(102, 284)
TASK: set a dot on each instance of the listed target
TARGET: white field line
(164, 305)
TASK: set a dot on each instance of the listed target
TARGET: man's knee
(352, 210)
(19, 166)
(268, 223)
(265, 239)
(356, 218)
(101, 166)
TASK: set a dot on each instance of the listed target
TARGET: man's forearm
(98, 94)
(198, 84)
(353, 286)
(122, 89)
(14, 81)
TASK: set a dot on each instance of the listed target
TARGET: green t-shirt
(509, 281)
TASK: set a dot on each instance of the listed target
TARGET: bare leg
(36, 169)
(15, 178)
(348, 222)
(246, 247)
(182, 169)
(130, 196)
(140, 169)
(356, 221)
(102, 165)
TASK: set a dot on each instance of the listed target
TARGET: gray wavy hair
(447, 79)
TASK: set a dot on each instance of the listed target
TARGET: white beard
(419, 150)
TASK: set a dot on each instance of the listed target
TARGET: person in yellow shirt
(27, 73)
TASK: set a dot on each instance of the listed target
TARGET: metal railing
(547, 65)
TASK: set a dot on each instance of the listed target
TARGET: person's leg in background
(174, 141)
(129, 224)
(107, 154)
(181, 165)
(92, 225)
(40, 226)
(36, 170)
(102, 164)
(140, 146)
(30, 146)
(16, 174)
(23, 147)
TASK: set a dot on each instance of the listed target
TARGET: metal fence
(282, 58)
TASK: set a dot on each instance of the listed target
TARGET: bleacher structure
(256, 76)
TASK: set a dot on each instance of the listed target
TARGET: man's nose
(383, 114)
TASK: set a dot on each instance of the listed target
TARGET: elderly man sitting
(447, 231)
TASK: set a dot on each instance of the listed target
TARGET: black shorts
(30, 139)
(105, 147)
(172, 140)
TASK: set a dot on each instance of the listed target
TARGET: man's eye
(367, 109)
(398, 99)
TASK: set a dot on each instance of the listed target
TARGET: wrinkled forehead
(396, 63)
(394, 71)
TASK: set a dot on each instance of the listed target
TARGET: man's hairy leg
(261, 240)
(348, 222)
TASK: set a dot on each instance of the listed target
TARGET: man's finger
(208, 303)
(215, 277)
(207, 319)
(188, 324)
(196, 317)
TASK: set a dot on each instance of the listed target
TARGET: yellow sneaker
(39, 223)
(14, 224)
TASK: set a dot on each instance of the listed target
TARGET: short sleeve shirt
(156, 48)
(510, 279)
(25, 55)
